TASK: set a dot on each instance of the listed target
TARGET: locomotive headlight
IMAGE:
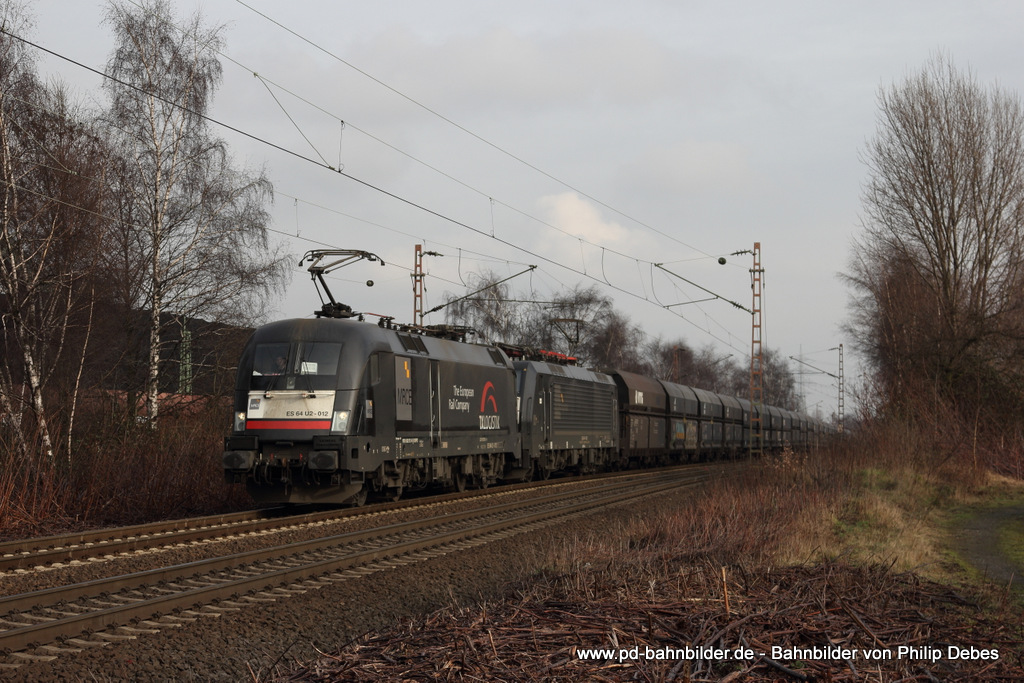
(240, 422)
(339, 425)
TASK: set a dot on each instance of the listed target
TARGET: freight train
(333, 410)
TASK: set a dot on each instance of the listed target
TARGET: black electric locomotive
(334, 409)
(329, 410)
(568, 416)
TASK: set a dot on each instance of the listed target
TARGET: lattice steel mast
(756, 358)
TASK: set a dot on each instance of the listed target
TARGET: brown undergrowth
(835, 549)
(831, 621)
(122, 471)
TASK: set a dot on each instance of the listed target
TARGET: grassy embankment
(874, 500)
(846, 547)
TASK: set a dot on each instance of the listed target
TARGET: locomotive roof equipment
(332, 308)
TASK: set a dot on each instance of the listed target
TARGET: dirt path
(977, 540)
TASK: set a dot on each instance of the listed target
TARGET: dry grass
(634, 631)
(799, 551)
(122, 472)
(31, 504)
(852, 502)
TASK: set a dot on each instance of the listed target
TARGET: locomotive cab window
(270, 360)
(319, 358)
(302, 365)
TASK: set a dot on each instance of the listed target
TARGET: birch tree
(51, 195)
(193, 221)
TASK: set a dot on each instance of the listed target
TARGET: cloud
(579, 218)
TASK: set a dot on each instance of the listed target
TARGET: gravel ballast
(269, 638)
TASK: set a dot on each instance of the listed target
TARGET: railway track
(45, 551)
(45, 623)
(65, 548)
(50, 551)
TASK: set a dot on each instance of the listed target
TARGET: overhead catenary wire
(326, 244)
(367, 184)
(482, 289)
(491, 199)
(267, 82)
(462, 128)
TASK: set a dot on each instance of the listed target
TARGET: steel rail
(66, 547)
(49, 550)
(213, 589)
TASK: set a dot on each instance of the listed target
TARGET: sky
(593, 139)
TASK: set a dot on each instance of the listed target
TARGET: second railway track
(59, 550)
(47, 621)
(50, 551)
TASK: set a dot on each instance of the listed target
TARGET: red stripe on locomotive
(288, 424)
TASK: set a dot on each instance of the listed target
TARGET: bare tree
(617, 343)
(492, 310)
(195, 221)
(672, 361)
(893, 320)
(51, 197)
(938, 272)
(569, 322)
(778, 380)
(705, 368)
(18, 85)
(581, 323)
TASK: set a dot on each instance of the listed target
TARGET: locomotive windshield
(306, 366)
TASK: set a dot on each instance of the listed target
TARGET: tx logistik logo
(487, 397)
